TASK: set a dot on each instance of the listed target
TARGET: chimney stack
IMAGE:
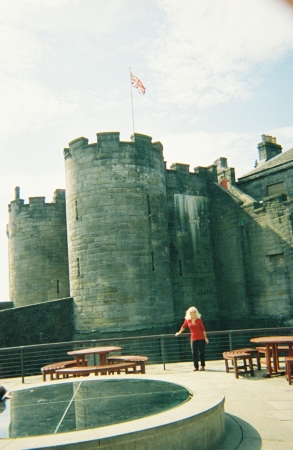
(268, 148)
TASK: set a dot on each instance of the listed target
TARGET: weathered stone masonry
(145, 242)
(119, 259)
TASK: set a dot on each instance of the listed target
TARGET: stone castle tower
(118, 245)
(139, 243)
(38, 255)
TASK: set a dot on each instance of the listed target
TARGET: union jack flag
(136, 83)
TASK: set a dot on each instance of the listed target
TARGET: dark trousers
(198, 348)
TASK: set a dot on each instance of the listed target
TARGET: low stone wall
(6, 305)
(37, 324)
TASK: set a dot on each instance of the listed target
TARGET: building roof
(284, 159)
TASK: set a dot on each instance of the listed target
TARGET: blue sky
(218, 75)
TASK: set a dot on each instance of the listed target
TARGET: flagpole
(131, 99)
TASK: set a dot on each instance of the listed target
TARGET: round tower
(119, 260)
(37, 245)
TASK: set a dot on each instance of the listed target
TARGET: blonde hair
(192, 309)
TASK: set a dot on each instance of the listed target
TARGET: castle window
(277, 260)
(153, 262)
(275, 189)
(149, 205)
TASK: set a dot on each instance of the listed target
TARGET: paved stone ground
(259, 410)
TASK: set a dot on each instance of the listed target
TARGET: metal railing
(27, 360)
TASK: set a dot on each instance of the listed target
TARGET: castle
(134, 244)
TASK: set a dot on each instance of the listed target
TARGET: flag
(136, 83)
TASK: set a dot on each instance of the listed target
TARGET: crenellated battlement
(59, 196)
(16, 205)
(110, 142)
(180, 168)
(36, 201)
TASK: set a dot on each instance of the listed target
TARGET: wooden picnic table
(81, 354)
(271, 343)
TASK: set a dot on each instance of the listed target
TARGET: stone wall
(252, 248)
(37, 324)
(6, 305)
(269, 259)
(193, 278)
(227, 244)
(145, 243)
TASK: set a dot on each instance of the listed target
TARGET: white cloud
(27, 105)
(206, 52)
(37, 39)
(19, 51)
(284, 137)
(202, 149)
(76, 18)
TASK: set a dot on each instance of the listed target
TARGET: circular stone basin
(88, 404)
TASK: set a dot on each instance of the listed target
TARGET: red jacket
(196, 329)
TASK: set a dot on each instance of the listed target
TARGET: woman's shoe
(194, 370)
(202, 368)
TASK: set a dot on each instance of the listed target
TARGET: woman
(198, 337)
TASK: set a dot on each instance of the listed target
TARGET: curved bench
(254, 352)
(139, 361)
(103, 370)
(283, 351)
(51, 369)
(239, 355)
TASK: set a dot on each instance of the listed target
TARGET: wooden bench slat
(105, 369)
(139, 360)
(58, 365)
(50, 369)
